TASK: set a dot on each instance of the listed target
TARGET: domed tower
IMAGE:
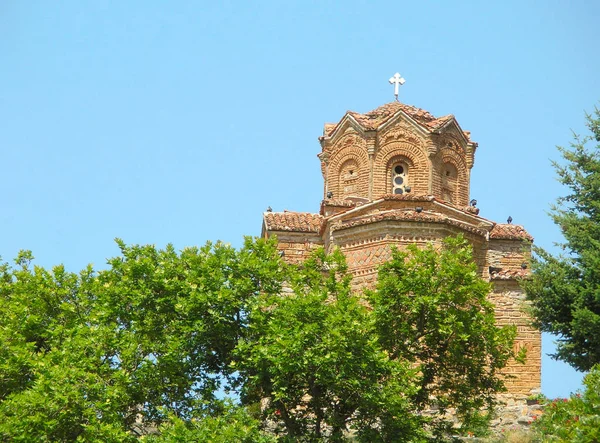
(396, 149)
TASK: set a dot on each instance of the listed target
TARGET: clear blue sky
(180, 122)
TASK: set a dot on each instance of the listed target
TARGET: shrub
(576, 419)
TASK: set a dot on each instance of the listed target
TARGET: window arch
(348, 177)
(449, 172)
(399, 178)
(449, 182)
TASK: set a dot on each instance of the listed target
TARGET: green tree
(104, 356)
(314, 355)
(565, 289)
(574, 420)
(144, 345)
(216, 422)
(431, 310)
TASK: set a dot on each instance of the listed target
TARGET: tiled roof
(342, 203)
(428, 198)
(471, 210)
(293, 221)
(506, 274)
(409, 197)
(329, 127)
(375, 118)
(410, 215)
(510, 232)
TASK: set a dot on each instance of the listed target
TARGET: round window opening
(399, 169)
(398, 191)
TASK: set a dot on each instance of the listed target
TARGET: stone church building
(398, 175)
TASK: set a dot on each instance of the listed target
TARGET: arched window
(399, 178)
(449, 182)
(348, 179)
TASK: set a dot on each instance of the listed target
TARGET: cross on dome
(397, 80)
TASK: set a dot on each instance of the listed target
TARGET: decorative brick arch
(449, 181)
(400, 132)
(343, 186)
(460, 192)
(349, 139)
(392, 153)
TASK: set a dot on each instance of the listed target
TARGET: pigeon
(509, 220)
(473, 202)
(329, 194)
(269, 209)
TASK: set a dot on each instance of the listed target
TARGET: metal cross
(397, 80)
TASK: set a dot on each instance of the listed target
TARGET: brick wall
(296, 247)
(510, 304)
(427, 157)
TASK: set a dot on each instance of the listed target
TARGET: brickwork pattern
(461, 179)
(296, 249)
(396, 140)
(348, 154)
(393, 153)
(510, 304)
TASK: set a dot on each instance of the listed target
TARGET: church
(398, 175)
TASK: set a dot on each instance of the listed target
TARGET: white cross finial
(397, 80)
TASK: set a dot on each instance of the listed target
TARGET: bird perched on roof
(329, 194)
(473, 202)
(269, 209)
(509, 220)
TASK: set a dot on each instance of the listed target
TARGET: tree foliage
(431, 310)
(216, 422)
(573, 420)
(565, 289)
(142, 348)
(106, 355)
(314, 354)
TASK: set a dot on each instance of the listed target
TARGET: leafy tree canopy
(573, 420)
(565, 289)
(431, 309)
(103, 356)
(314, 355)
(141, 349)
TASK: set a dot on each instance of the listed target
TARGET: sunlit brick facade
(398, 175)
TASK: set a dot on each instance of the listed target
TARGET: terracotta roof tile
(396, 214)
(410, 215)
(428, 198)
(375, 118)
(471, 210)
(409, 197)
(510, 232)
(293, 221)
(342, 203)
(507, 274)
(329, 127)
